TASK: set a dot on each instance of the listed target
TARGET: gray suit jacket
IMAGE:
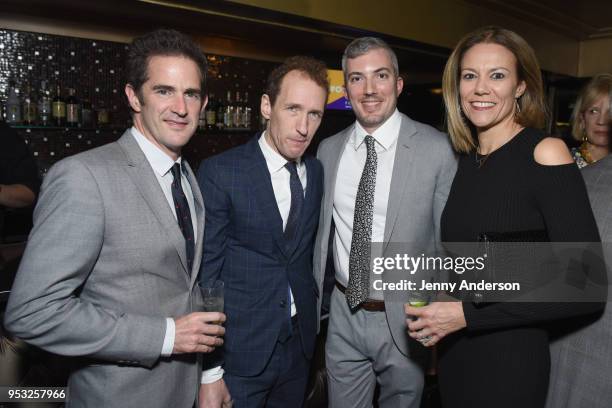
(423, 171)
(581, 362)
(104, 266)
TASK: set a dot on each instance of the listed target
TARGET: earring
(518, 105)
(585, 137)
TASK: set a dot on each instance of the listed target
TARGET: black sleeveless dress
(502, 358)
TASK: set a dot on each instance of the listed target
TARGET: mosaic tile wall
(96, 70)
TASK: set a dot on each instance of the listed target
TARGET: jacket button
(283, 303)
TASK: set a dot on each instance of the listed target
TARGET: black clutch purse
(498, 254)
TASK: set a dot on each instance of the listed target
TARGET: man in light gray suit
(387, 178)
(581, 360)
(110, 266)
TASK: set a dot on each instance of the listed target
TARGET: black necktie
(358, 287)
(297, 202)
(293, 221)
(183, 215)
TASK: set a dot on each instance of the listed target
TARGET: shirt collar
(274, 160)
(385, 135)
(159, 161)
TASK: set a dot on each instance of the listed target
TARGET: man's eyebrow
(171, 88)
(382, 69)
(163, 87)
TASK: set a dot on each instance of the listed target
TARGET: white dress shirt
(352, 162)
(280, 176)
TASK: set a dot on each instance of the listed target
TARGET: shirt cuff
(168, 345)
(212, 374)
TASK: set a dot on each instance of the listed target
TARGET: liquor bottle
(211, 112)
(87, 115)
(238, 108)
(30, 108)
(44, 104)
(228, 113)
(103, 115)
(73, 108)
(247, 112)
(202, 120)
(59, 108)
(13, 105)
(219, 120)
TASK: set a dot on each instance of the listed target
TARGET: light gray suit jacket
(581, 362)
(105, 264)
(423, 171)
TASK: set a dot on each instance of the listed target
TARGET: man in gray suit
(387, 178)
(110, 267)
(581, 360)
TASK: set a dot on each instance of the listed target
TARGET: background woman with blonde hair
(511, 179)
(591, 121)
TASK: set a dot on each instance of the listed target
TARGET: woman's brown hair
(532, 107)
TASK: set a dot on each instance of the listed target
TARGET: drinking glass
(212, 295)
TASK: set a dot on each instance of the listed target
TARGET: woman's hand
(429, 324)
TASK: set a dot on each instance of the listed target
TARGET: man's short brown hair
(310, 67)
(161, 42)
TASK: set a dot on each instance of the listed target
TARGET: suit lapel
(141, 173)
(330, 158)
(261, 185)
(199, 209)
(400, 176)
(335, 148)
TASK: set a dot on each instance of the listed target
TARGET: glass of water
(212, 294)
(418, 299)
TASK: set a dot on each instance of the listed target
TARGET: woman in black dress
(511, 178)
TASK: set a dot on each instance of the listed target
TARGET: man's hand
(215, 395)
(198, 332)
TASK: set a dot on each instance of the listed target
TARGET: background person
(19, 181)
(591, 121)
(581, 355)
(19, 184)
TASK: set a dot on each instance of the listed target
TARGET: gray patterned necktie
(359, 259)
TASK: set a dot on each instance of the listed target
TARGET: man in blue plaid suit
(262, 208)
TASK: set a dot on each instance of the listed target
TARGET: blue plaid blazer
(244, 247)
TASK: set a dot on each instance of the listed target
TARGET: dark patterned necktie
(297, 202)
(183, 215)
(358, 287)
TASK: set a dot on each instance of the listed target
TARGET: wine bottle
(13, 105)
(44, 104)
(73, 108)
(59, 108)
(211, 112)
(30, 108)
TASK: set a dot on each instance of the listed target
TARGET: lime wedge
(417, 303)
